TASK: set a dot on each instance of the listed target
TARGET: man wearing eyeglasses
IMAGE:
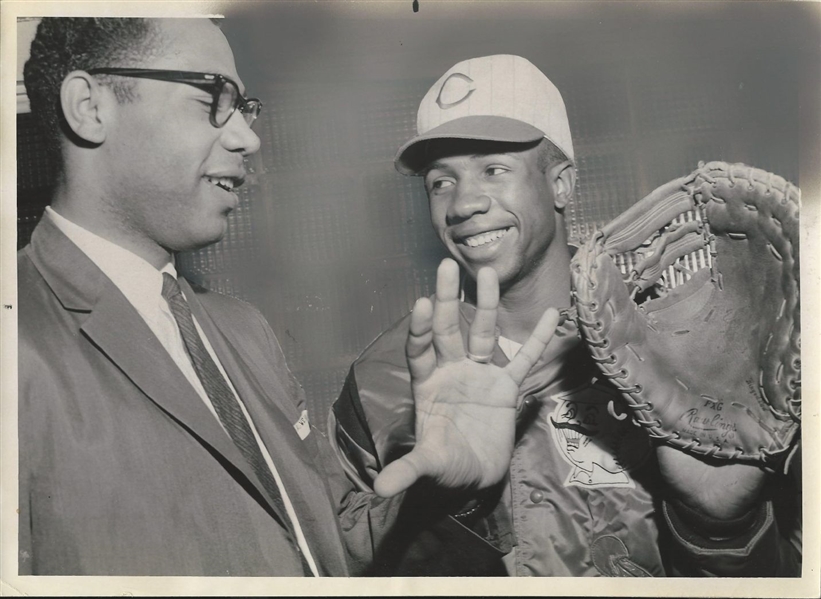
(125, 464)
(160, 431)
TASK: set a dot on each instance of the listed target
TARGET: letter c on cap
(455, 85)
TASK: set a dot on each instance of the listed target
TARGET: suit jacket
(123, 470)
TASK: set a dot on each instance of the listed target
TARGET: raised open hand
(465, 406)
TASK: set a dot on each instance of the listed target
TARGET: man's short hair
(62, 45)
(549, 154)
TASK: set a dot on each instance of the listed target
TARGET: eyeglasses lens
(251, 111)
(229, 99)
(226, 103)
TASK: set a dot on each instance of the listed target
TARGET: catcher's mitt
(689, 303)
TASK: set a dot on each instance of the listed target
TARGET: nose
(237, 135)
(470, 199)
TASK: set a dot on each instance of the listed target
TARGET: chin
(201, 239)
(506, 272)
(215, 231)
(205, 241)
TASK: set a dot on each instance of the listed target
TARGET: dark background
(332, 245)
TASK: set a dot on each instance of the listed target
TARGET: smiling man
(151, 436)
(586, 493)
(160, 430)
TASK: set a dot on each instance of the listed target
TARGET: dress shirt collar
(138, 280)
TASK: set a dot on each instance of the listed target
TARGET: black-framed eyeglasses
(224, 92)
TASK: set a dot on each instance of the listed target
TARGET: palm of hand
(465, 406)
(465, 423)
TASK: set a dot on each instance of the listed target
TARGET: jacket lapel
(119, 332)
(289, 452)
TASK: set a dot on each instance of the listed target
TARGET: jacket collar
(72, 276)
(561, 366)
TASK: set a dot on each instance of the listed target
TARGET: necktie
(224, 401)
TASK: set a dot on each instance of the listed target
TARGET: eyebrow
(432, 167)
(442, 166)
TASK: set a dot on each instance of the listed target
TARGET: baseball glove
(689, 303)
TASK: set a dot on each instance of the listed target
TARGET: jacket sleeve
(350, 437)
(767, 545)
(31, 444)
(25, 549)
(412, 534)
(760, 552)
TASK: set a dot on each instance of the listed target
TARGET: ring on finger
(480, 359)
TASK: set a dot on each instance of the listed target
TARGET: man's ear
(563, 178)
(85, 102)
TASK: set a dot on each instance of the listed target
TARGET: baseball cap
(495, 98)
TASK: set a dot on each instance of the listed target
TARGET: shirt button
(536, 496)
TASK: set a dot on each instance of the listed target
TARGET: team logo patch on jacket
(302, 426)
(596, 437)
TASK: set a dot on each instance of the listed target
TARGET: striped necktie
(225, 402)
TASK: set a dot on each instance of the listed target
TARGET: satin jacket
(583, 494)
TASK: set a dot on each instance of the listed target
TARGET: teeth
(484, 238)
(224, 182)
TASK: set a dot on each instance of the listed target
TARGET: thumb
(401, 474)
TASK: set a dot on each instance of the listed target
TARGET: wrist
(715, 530)
(477, 506)
(471, 508)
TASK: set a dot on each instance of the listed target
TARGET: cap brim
(412, 156)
